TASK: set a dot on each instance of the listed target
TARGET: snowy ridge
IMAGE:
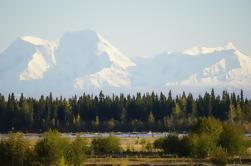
(208, 50)
(37, 66)
(85, 61)
(115, 55)
(226, 72)
(215, 69)
(42, 59)
(35, 40)
(103, 79)
(50, 46)
(95, 62)
(202, 68)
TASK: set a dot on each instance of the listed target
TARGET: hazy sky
(136, 27)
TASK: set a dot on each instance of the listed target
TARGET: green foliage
(189, 145)
(51, 148)
(111, 124)
(75, 153)
(158, 143)
(151, 119)
(193, 145)
(210, 126)
(14, 151)
(61, 162)
(205, 145)
(149, 147)
(106, 145)
(232, 139)
(209, 137)
(142, 141)
(171, 144)
(140, 112)
(146, 145)
(204, 138)
(220, 157)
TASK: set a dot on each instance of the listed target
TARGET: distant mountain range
(86, 62)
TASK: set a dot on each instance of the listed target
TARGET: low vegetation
(106, 145)
(52, 149)
(209, 139)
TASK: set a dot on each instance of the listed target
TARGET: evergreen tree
(97, 112)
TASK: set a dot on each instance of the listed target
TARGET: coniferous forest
(140, 112)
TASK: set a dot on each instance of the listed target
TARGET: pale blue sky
(136, 27)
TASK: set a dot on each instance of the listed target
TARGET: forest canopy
(140, 112)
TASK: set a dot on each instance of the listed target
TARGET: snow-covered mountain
(24, 63)
(78, 62)
(195, 69)
(85, 62)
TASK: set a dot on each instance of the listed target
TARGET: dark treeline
(140, 112)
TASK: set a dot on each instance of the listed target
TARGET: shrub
(188, 145)
(232, 139)
(75, 153)
(171, 144)
(205, 145)
(106, 145)
(220, 157)
(210, 126)
(51, 148)
(149, 147)
(207, 136)
(158, 143)
(14, 151)
(197, 145)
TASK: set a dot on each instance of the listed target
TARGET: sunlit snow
(85, 61)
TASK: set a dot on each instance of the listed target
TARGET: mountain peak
(230, 46)
(89, 42)
(34, 40)
(85, 60)
(197, 50)
(89, 35)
